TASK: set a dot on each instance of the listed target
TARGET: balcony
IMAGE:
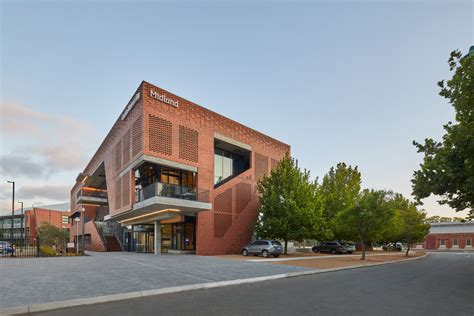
(160, 201)
(171, 191)
(92, 196)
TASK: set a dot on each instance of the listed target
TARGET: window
(455, 242)
(65, 219)
(228, 164)
(442, 242)
(469, 242)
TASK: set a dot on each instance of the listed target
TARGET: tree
(448, 166)
(340, 189)
(50, 235)
(366, 220)
(412, 225)
(433, 219)
(291, 208)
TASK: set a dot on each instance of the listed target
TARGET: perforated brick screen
(118, 191)
(137, 136)
(126, 147)
(274, 163)
(160, 135)
(223, 202)
(126, 188)
(118, 156)
(261, 166)
(222, 223)
(188, 144)
(243, 196)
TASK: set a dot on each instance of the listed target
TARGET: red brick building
(172, 176)
(25, 224)
(56, 215)
(449, 236)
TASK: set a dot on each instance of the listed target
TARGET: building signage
(130, 105)
(163, 98)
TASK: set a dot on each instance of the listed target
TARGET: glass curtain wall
(176, 181)
(228, 165)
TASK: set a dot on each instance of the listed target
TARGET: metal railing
(110, 228)
(91, 193)
(20, 250)
(171, 191)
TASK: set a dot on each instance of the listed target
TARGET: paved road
(441, 284)
(42, 280)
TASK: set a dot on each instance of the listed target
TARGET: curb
(175, 289)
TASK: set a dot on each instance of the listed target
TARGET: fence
(30, 249)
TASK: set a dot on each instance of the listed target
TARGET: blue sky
(351, 81)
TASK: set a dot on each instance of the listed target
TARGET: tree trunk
(286, 247)
(408, 249)
(362, 244)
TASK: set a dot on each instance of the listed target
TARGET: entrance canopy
(160, 208)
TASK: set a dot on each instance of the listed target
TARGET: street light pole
(77, 220)
(22, 229)
(83, 220)
(13, 212)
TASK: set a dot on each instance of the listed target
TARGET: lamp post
(22, 229)
(77, 220)
(13, 212)
(83, 220)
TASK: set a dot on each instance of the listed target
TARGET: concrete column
(157, 238)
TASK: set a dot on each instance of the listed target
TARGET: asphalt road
(441, 284)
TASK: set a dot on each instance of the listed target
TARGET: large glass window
(177, 181)
(228, 164)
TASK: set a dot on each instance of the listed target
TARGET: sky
(340, 81)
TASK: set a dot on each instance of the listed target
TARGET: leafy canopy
(448, 166)
(291, 208)
(365, 221)
(340, 189)
(50, 235)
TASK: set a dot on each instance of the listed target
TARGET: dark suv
(331, 247)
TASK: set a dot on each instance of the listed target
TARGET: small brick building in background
(449, 236)
(27, 223)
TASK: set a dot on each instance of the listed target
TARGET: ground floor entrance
(176, 235)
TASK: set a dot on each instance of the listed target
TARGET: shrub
(47, 251)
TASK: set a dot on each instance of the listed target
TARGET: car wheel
(333, 251)
(245, 253)
(265, 254)
(349, 252)
(276, 256)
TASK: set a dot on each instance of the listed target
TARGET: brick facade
(185, 134)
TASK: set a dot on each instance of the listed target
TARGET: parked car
(331, 247)
(350, 247)
(6, 248)
(393, 247)
(265, 248)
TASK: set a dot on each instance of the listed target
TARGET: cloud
(49, 192)
(12, 165)
(49, 143)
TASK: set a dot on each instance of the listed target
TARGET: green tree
(448, 166)
(433, 219)
(291, 208)
(340, 189)
(412, 225)
(365, 221)
(50, 235)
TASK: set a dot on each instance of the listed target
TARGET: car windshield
(276, 243)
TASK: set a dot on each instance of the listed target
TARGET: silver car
(264, 247)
